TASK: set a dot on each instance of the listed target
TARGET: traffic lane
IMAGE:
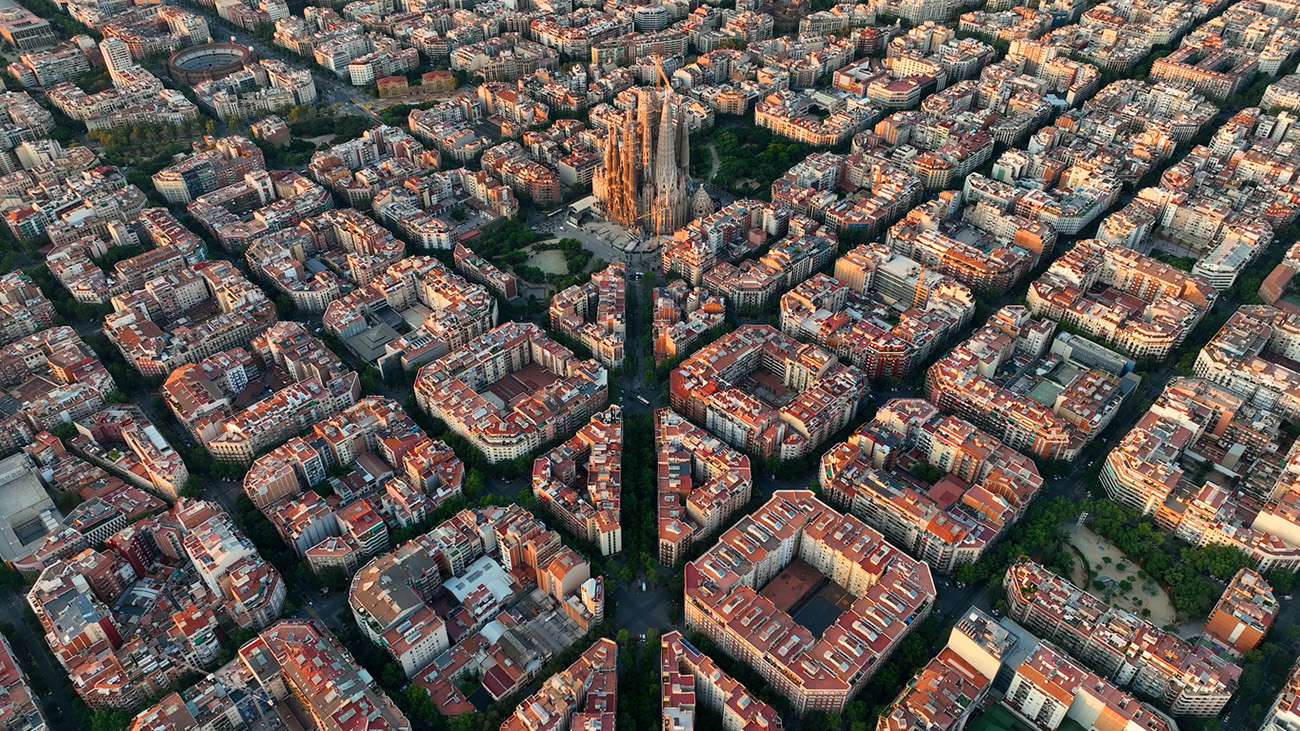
(53, 675)
(640, 611)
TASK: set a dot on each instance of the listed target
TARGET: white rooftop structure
(26, 511)
(484, 572)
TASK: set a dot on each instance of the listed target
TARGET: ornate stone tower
(702, 204)
(645, 172)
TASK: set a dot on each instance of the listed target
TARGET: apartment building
(1244, 613)
(1242, 355)
(987, 485)
(751, 284)
(262, 203)
(684, 316)
(53, 378)
(75, 203)
(688, 676)
(23, 29)
(73, 263)
(378, 439)
(1010, 348)
(820, 395)
(470, 556)
(125, 627)
(1047, 689)
(1154, 470)
(977, 244)
(261, 87)
(1190, 678)
(595, 314)
(1009, 25)
(147, 29)
(988, 658)
(1285, 93)
(893, 595)
(701, 483)
(1216, 72)
(19, 708)
(229, 565)
(151, 328)
(505, 58)
(24, 309)
(297, 658)
(944, 694)
(23, 121)
(790, 114)
(64, 62)
(138, 97)
(583, 695)
(1084, 150)
(277, 417)
(885, 191)
(225, 162)
(383, 156)
(148, 461)
(477, 269)
(593, 455)
(515, 166)
(726, 234)
(388, 599)
(208, 397)
(1141, 306)
(1284, 714)
(451, 313)
(881, 312)
(545, 390)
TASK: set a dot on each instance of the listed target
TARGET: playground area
(550, 261)
(1121, 584)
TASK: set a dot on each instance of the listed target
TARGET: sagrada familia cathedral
(644, 179)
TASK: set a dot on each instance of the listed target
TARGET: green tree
(68, 502)
(109, 720)
(284, 306)
(421, 707)
(473, 486)
(333, 577)
(9, 577)
(465, 722)
(524, 499)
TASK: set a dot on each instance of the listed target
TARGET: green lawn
(998, 718)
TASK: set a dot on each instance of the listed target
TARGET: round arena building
(208, 61)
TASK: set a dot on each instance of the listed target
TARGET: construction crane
(662, 81)
(659, 221)
(920, 282)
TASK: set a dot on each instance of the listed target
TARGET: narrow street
(52, 675)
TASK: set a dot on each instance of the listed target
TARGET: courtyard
(811, 600)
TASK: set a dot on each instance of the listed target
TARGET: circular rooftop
(208, 61)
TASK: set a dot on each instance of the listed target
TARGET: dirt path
(715, 161)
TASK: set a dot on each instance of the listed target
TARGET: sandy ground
(1144, 594)
(550, 261)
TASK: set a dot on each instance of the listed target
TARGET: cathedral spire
(644, 183)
